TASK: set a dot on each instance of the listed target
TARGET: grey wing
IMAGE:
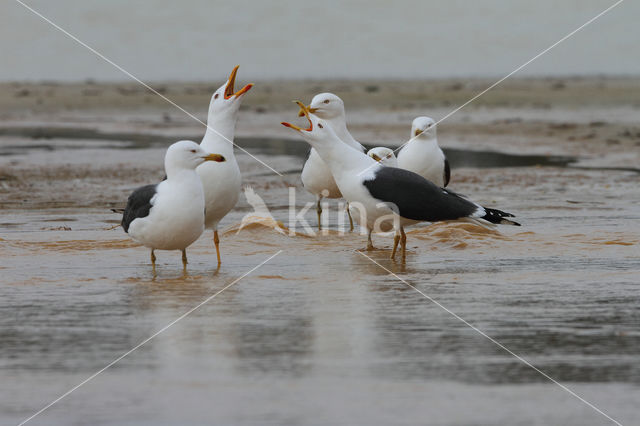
(447, 172)
(417, 198)
(138, 205)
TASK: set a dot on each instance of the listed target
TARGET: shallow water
(320, 334)
(48, 139)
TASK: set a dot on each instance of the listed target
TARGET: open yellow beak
(214, 157)
(228, 91)
(304, 111)
(418, 131)
(311, 110)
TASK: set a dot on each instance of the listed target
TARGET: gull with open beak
(222, 182)
(316, 176)
(388, 197)
(170, 215)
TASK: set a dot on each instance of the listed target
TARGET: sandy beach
(593, 120)
(322, 325)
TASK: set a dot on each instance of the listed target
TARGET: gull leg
(153, 263)
(319, 211)
(403, 243)
(370, 246)
(396, 240)
(351, 224)
(216, 242)
(184, 258)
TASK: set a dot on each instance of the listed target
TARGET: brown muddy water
(319, 334)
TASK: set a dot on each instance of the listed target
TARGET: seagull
(221, 182)
(170, 215)
(422, 155)
(316, 176)
(384, 156)
(388, 198)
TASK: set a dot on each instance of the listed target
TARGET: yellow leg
(216, 242)
(319, 211)
(351, 222)
(153, 263)
(396, 240)
(370, 246)
(184, 258)
(403, 243)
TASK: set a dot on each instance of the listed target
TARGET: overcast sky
(200, 40)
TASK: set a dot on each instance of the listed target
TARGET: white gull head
(225, 102)
(340, 157)
(328, 106)
(423, 128)
(187, 155)
(384, 156)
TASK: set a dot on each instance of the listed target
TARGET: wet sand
(320, 334)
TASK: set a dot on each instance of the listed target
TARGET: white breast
(316, 176)
(424, 158)
(176, 219)
(222, 184)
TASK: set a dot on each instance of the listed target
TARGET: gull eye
(326, 101)
(321, 126)
(216, 96)
(193, 150)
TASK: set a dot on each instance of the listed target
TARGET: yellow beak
(418, 131)
(228, 91)
(311, 110)
(214, 157)
(304, 111)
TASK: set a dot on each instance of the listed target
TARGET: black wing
(138, 205)
(417, 198)
(447, 172)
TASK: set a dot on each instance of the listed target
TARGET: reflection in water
(416, 339)
(322, 321)
(272, 335)
(275, 347)
(69, 328)
(381, 255)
